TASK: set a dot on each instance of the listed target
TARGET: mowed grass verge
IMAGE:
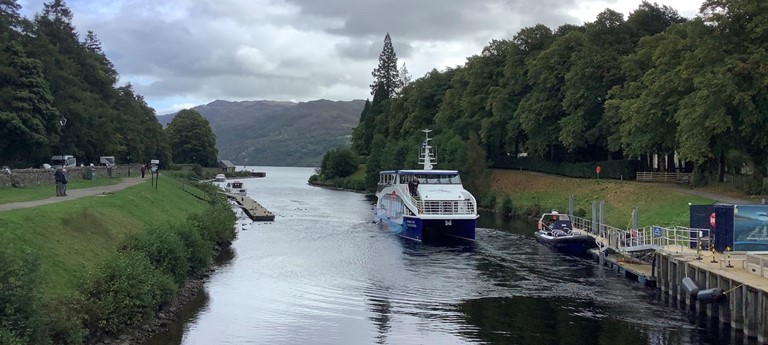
(71, 237)
(11, 194)
(657, 206)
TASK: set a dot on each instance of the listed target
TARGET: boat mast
(426, 157)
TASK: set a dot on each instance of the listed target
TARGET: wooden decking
(252, 208)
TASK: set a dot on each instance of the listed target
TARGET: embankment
(98, 266)
(537, 192)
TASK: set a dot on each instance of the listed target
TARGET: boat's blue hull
(576, 245)
(418, 229)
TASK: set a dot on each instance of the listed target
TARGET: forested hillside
(279, 133)
(59, 95)
(617, 89)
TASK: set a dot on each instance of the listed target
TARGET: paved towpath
(75, 194)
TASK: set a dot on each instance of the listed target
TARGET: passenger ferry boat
(439, 205)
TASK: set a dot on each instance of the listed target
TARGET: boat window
(439, 178)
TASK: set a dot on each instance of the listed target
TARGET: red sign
(712, 220)
(597, 170)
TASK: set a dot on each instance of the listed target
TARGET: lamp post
(129, 165)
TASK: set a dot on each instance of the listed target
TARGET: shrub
(216, 225)
(199, 252)
(489, 200)
(66, 319)
(507, 207)
(21, 316)
(580, 212)
(124, 291)
(164, 249)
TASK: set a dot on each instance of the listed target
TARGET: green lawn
(11, 194)
(657, 206)
(73, 236)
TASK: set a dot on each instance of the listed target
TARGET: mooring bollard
(712, 248)
(728, 256)
(698, 251)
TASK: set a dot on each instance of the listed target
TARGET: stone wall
(33, 177)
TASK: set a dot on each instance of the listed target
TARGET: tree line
(59, 95)
(690, 90)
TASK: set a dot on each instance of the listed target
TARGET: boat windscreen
(439, 178)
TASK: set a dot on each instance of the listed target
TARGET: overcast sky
(182, 53)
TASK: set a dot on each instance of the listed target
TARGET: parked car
(220, 178)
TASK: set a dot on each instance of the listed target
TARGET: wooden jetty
(252, 208)
(661, 257)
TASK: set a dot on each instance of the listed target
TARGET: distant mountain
(279, 133)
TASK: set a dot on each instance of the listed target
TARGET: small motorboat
(556, 231)
(236, 188)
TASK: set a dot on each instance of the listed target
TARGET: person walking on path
(143, 169)
(59, 177)
(64, 181)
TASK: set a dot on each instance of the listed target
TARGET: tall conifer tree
(386, 73)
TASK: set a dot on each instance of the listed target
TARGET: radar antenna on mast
(426, 156)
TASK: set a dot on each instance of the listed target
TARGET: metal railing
(446, 207)
(645, 238)
(666, 177)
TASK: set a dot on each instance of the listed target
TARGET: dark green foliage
(386, 77)
(125, 290)
(338, 163)
(216, 225)
(489, 200)
(508, 207)
(48, 75)
(67, 317)
(165, 250)
(22, 319)
(199, 252)
(610, 91)
(191, 139)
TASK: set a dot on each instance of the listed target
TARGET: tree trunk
(671, 166)
(721, 167)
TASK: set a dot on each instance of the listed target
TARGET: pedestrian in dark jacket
(58, 176)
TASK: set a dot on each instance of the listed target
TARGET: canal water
(323, 273)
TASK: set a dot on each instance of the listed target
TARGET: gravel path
(75, 194)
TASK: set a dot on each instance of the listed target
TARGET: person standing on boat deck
(413, 186)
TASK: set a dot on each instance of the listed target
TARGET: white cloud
(179, 53)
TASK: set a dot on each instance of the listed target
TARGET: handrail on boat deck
(445, 207)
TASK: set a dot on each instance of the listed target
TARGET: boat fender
(709, 295)
(690, 287)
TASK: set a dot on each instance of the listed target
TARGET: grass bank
(536, 192)
(70, 238)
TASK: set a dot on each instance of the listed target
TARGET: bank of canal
(322, 273)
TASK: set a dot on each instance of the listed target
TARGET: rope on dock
(731, 290)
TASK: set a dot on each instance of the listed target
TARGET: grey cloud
(363, 49)
(434, 19)
(292, 49)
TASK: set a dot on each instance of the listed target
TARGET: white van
(63, 161)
